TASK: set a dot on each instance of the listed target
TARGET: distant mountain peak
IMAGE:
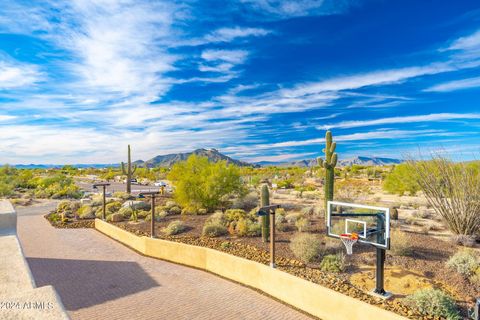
(169, 160)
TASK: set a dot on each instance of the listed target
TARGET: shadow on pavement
(85, 283)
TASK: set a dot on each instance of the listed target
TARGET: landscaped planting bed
(424, 264)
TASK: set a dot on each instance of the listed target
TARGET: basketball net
(349, 239)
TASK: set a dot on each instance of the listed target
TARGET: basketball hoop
(349, 239)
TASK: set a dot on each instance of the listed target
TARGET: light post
(104, 185)
(270, 210)
(152, 195)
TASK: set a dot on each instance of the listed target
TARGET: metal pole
(379, 275)
(104, 204)
(152, 231)
(272, 238)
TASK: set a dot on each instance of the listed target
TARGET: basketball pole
(380, 272)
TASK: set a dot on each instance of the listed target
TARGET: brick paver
(98, 278)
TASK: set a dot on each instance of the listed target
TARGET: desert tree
(453, 190)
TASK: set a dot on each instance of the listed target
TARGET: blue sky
(258, 80)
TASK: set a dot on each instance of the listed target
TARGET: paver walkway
(98, 278)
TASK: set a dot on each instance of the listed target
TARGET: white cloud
(230, 34)
(16, 75)
(281, 157)
(232, 56)
(223, 35)
(282, 9)
(404, 119)
(456, 85)
(466, 43)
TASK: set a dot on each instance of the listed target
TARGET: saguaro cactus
(129, 171)
(329, 165)
(265, 201)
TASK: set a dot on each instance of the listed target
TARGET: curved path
(98, 278)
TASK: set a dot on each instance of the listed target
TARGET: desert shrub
(306, 247)
(464, 240)
(225, 245)
(63, 206)
(174, 227)
(202, 211)
(284, 227)
(97, 200)
(247, 228)
(453, 190)
(113, 207)
(308, 211)
(400, 243)
(126, 212)
(465, 261)
(86, 212)
(137, 205)
(174, 210)
(280, 216)
(235, 214)
(134, 216)
(433, 302)
(412, 221)
(402, 179)
(203, 184)
(109, 217)
(142, 214)
(190, 211)
(214, 229)
(302, 224)
(99, 213)
(247, 202)
(216, 217)
(333, 263)
(423, 214)
(332, 244)
(159, 216)
(293, 217)
(170, 204)
(54, 217)
(122, 195)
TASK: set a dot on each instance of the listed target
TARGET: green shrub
(306, 247)
(63, 206)
(174, 227)
(333, 263)
(216, 218)
(465, 262)
(174, 210)
(142, 214)
(247, 228)
(113, 207)
(86, 212)
(433, 302)
(189, 211)
(126, 212)
(203, 184)
(202, 211)
(159, 216)
(214, 229)
(400, 243)
(170, 204)
(225, 245)
(401, 180)
(302, 224)
(293, 217)
(122, 195)
(235, 215)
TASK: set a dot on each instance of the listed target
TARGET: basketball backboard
(371, 224)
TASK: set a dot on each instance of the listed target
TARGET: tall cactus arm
(134, 168)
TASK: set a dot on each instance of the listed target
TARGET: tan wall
(305, 295)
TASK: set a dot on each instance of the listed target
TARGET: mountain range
(170, 159)
(214, 155)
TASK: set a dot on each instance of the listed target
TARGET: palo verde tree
(200, 184)
(129, 170)
(329, 165)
